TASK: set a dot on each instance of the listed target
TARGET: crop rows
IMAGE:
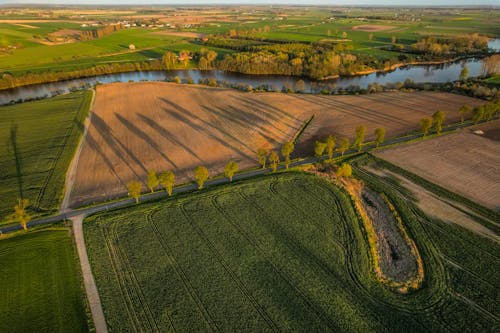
(277, 253)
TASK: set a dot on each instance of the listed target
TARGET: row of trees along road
(482, 112)
(166, 179)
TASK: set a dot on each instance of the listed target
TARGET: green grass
(47, 134)
(495, 79)
(41, 284)
(284, 252)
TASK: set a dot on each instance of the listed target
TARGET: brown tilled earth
(373, 27)
(466, 163)
(158, 126)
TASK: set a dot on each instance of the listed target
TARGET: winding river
(418, 73)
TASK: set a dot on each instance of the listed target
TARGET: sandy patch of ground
(373, 27)
(463, 162)
(438, 207)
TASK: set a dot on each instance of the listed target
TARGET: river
(418, 73)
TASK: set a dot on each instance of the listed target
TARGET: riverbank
(9, 82)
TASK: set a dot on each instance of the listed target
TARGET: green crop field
(38, 142)
(41, 284)
(284, 252)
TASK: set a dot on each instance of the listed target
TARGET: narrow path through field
(88, 278)
(70, 175)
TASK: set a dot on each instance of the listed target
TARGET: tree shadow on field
(272, 111)
(236, 117)
(116, 146)
(94, 146)
(179, 116)
(370, 115)
(167, 135)
(138, 132)
(17, 158)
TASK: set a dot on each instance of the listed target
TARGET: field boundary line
(71, 173)
(88, 278)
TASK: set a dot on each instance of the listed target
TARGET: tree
(169, 60)
(211, 56)
(274, 159)
(394, 39)
(465, 109)
(176, 79)
(230, 169)
(370, 37)
(464, 73)
(167, 180)
(184, 57)
(286, 151)
(379, 135)
(300, 86)
(203, 63)
(344, 35)
(437, 119)
(345, 170)
(134, 190)
(201, 175)
(331, 141)
(344, 145)
(319, 148)
(262, 157)
(360, 137)
(153, 180)
(21, 214)
(425, 125)
(478, 114)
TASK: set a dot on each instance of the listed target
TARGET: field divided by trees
(283, 252)
(38, 142)
(41, 284)
(157, 126)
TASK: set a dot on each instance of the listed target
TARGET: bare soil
(180, 34)
(137, 127)
(437, 207)
(463, 162)
(373, 27)
(491, 131)
(397, 261)
(398, 112)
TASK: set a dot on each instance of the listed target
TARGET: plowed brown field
(158, 126)
(466, 163)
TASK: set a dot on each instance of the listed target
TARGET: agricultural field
(284, 252)
(465, 163)
(41, 283)
(38, 142)
(366, 32)
(137, 127)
